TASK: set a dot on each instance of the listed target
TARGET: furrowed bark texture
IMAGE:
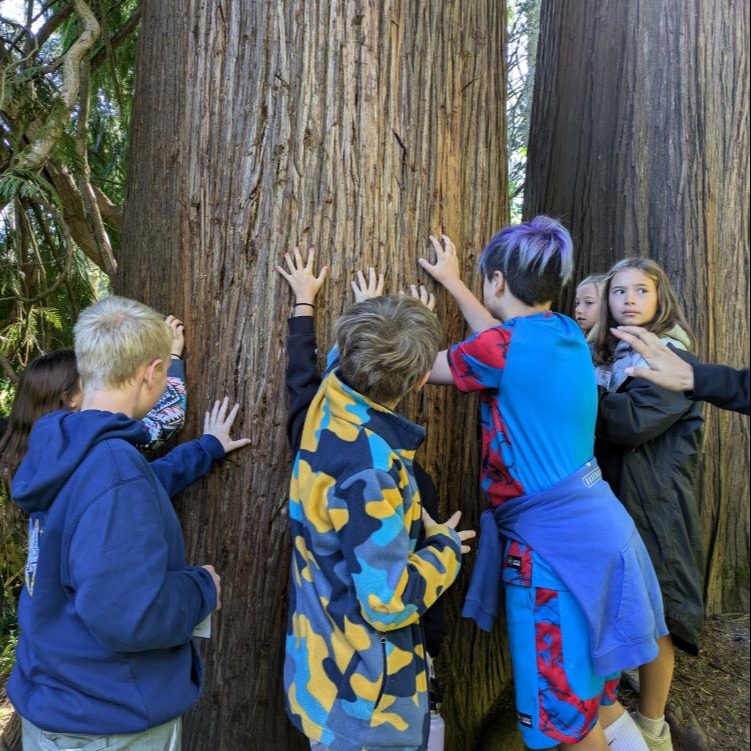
(640, 142)
(360, 127)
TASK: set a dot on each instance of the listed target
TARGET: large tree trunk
(640, 142)
(358, 126)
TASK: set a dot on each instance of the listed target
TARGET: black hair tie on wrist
(309, 304)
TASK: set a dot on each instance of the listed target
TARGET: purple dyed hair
(530, 245)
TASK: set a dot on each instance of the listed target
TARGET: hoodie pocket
(384, 673)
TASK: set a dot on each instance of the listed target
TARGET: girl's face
(587, 306)
(632, 298)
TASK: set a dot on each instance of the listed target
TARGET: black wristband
(309, 304)
(179, 357)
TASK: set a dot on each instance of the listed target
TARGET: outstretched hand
(446, 266)
(302, 278)
(218, 423)
(178, 335)
(466, 534)
(365, 290)
(665, 369)
(428, 300)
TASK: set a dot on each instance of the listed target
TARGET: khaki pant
(165, 737)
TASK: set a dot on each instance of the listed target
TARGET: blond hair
(116, 336)
(596, 280)
(386, 344)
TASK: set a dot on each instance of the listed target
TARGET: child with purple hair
(582, 598)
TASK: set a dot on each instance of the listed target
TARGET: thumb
(427, 519)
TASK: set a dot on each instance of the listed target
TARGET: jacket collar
(348, 405)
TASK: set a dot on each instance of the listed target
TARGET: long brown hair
(49, 383)
(669, 310)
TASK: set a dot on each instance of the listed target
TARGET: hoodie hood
(58, 444)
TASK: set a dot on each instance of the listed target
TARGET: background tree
(639, 141)
(360, 127)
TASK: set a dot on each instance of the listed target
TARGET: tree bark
(640, 142)
(357, 126)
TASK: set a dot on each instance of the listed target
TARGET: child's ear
(152, 371)
(499, 283)
(421, 382)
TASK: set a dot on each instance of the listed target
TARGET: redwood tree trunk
(640, 142)
(357, 126)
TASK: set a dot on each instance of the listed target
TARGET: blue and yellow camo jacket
(355, 672)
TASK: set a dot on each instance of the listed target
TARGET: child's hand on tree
(365, 290)
(466, 534)
(428, 300)
(302, 278)
(178, 335)
(218, 423)
(446, 267)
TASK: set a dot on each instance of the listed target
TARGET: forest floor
(709, 706)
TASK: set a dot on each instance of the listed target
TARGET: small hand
(373, 287)
(217, 583)
(466, 534)
(178, 335)
(218, 423)
(446, 266)
(302, 278)
(428, 300)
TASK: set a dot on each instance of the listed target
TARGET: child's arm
(184, 464)
(446, 271)
(168, 414)
(394, 586)
(639, 413)
(303, 378)
(477, 363)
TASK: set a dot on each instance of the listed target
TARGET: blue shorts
(558, 692)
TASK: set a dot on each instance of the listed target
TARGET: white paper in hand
(203, 629)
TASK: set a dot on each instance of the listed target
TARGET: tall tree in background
(639, 141)
(357, 126)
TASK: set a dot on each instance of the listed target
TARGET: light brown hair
(386, 344)
(669, 310)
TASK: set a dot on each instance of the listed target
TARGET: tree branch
(34, 157)
(127, 29)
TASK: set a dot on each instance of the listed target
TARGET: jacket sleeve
(638, 413)
(394, 585)
(722, 386)
(168, 414)
(118, 569)
(184, 464)
(303, 378)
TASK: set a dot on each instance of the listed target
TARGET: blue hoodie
(109, 605)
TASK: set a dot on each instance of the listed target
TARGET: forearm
(478, 317)
(303, 378)
(187, 463)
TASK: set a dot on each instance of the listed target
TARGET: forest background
(179, 172)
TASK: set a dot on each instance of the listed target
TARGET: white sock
(624, 735)
(655, 727)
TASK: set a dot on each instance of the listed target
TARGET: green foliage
(23, 184)
(41, 288)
